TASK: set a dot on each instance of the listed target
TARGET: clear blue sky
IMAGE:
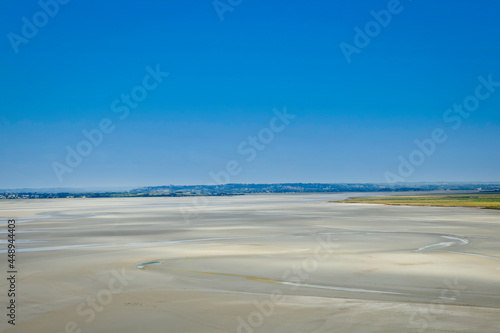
(352, 120)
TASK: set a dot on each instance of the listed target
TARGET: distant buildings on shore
(240, 189)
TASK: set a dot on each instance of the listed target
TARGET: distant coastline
(241, 189)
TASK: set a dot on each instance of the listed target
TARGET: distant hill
(311, 188)
(240, 189)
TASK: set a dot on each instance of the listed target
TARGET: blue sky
(352, 121)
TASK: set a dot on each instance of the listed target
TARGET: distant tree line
(240, 189)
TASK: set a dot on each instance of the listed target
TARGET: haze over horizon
(266, 95)
(128, 188)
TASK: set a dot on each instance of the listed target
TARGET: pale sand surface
(260, 263)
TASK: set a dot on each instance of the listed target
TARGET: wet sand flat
(255, 263)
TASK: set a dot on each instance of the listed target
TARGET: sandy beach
(254, 263)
